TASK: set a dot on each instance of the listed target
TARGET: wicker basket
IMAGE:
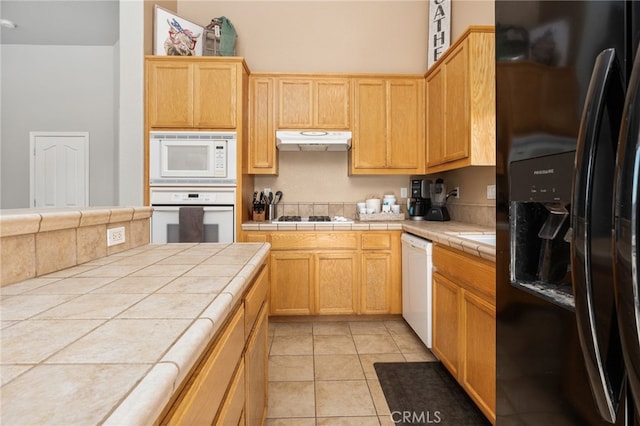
(212, 37)
(380, 216)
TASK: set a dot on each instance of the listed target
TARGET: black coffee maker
(420, 201)
(438, 211)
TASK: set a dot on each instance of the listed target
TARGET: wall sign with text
(439, 29)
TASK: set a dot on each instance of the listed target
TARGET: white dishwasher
(416, 285)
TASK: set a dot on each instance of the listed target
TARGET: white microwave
(192, 158)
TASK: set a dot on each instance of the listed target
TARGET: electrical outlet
(115, 236)
(491, 192)
(403, 192)
(457, 189)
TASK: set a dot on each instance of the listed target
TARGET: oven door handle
(206, 208)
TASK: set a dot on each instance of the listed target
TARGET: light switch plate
(491, 192)
(403, 192)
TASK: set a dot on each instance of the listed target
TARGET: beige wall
(323, 176)
(341, 36)
(473, 183)
(323, 36)
(335, 36)
(465, 13)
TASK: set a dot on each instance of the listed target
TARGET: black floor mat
(426, 393)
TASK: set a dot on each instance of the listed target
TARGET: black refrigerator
(567, 223)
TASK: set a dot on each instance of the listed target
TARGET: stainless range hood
(313, 140)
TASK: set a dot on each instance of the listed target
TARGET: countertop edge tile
(217, 310)
(381, 226)
(360, 226)
(236, 288)
(94, 217)
(121, 214)
(57, 220)
(11, 225)
(190, 345)
(280, 227)
(148, 399)
(142, 212)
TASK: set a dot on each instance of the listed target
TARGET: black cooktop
(300, 219)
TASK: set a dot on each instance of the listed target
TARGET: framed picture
(175, 36)
(439, 29)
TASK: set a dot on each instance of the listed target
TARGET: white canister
(389, 199)
(373, 203)
(386, 208)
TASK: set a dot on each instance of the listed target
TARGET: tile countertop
(110, 341)
(448, 233)
(452, 234)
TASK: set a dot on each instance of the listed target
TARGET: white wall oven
(192, 158)
(219, 213)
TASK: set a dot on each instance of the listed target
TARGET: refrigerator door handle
(627, 230)
(605, 86)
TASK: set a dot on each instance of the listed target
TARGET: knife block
(258, 216)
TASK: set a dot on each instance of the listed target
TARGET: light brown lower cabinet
(381, 269)
(233, 408)
(446, 322)
(337, 282)
(291, 283)
(333, 272)
(228, 386)
(479, 368)
(206, 389)
(255, 361)
(464, 323)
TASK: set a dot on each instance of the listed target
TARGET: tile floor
(321, 373)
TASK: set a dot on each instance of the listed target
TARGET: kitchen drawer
(254, 300)
(203, 396)
(313, 240)
(371, 241)
(337, 240)
(292, 240)
(469, 271)
(256, 237)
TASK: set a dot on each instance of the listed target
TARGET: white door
(59, 169)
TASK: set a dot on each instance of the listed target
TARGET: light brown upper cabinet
(263, 156)
(313, 103)
(460, 104)
(388, 126)
(192, 93)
